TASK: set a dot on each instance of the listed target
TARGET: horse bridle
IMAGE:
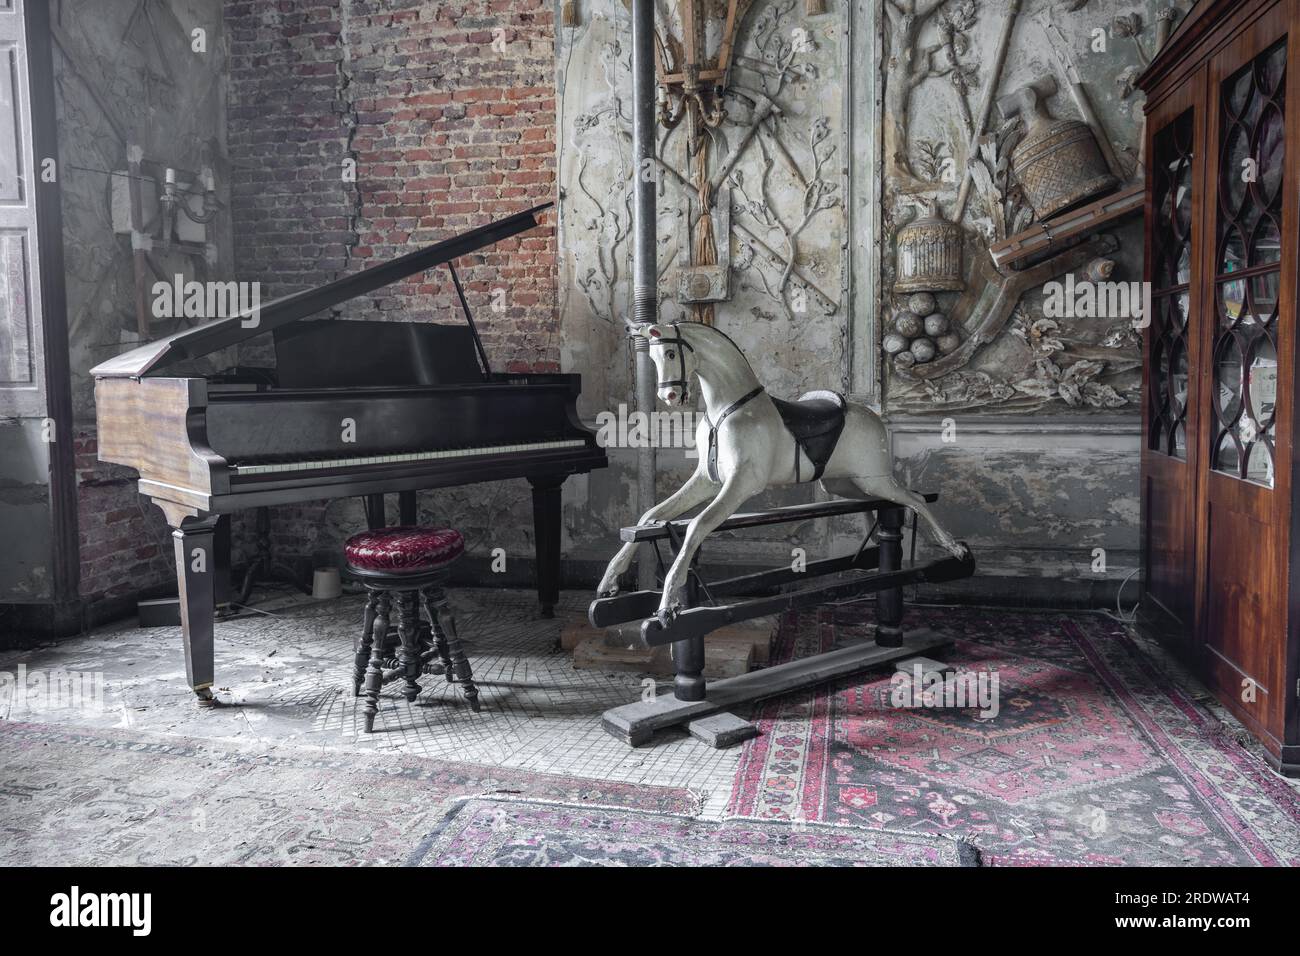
(682, 344)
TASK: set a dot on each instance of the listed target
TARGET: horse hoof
(607, 593)
(668, 614)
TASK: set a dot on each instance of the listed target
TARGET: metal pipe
(645, 274)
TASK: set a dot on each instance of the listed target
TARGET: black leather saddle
(816, 424)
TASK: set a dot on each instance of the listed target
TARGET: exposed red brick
(416, 94)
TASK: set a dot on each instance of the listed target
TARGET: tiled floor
(283, 680)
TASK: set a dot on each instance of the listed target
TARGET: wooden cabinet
(1219, 509)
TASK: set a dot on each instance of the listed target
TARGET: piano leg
(408, 508)
(222, 595)
(374, 505)
(546, 534)
(196, 572)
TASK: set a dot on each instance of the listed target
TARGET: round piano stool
(403, 570)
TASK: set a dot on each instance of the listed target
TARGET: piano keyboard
(402, 459)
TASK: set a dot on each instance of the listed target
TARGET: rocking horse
(750, 441)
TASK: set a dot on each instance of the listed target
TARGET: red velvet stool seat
(403, 550)
(407, 566)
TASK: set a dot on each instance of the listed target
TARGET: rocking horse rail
(699, 621)
(636, 605)
(660, 530)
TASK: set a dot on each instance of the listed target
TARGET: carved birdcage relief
(929, 256)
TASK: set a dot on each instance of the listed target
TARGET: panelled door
(1246, 331)
(1170, 406)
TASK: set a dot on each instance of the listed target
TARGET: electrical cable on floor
(1119, 615)
(255, 610)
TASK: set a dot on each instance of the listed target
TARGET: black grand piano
(351, 408)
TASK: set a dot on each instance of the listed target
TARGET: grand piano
(350, 408)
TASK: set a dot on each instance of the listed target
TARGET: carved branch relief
(751, 218)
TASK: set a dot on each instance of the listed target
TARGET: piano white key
(300, 466)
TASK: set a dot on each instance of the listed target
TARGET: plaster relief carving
(1029, 160)
(910, 62)
(754, 129)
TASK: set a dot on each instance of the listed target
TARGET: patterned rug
(84, 798)
(1093, 757)
(493, 832)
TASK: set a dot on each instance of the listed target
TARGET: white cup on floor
(326, 584)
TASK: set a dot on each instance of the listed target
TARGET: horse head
(675, 361)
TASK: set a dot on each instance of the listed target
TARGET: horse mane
(729, 339)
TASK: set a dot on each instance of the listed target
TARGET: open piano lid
(217, 334)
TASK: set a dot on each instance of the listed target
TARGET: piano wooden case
(417, 406)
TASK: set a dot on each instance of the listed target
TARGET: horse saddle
(815, 421)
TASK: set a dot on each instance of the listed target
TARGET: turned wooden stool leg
(408, 632)
(458, 668)
(400, 564)
(361, 652)
(429, 596)
(392, 648)
(375, 673)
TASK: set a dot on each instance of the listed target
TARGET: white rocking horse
(750, 441)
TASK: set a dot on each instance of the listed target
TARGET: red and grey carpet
(1095, 757)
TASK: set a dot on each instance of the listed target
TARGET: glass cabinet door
(1247, 268)
(1246, 323)
(1172, 343)
(1171, 238)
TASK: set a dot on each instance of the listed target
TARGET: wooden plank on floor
(927, 665)
(728, 652)
(722, 730)
(637, 722)
(594, 654)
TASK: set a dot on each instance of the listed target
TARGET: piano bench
(407, 566)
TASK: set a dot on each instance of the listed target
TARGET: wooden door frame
(1289, 723)
(65, 546)
(1268, 506)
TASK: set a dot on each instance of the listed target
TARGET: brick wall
(447, 110)
(124, 541)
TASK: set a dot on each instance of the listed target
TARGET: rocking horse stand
(703, 708)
